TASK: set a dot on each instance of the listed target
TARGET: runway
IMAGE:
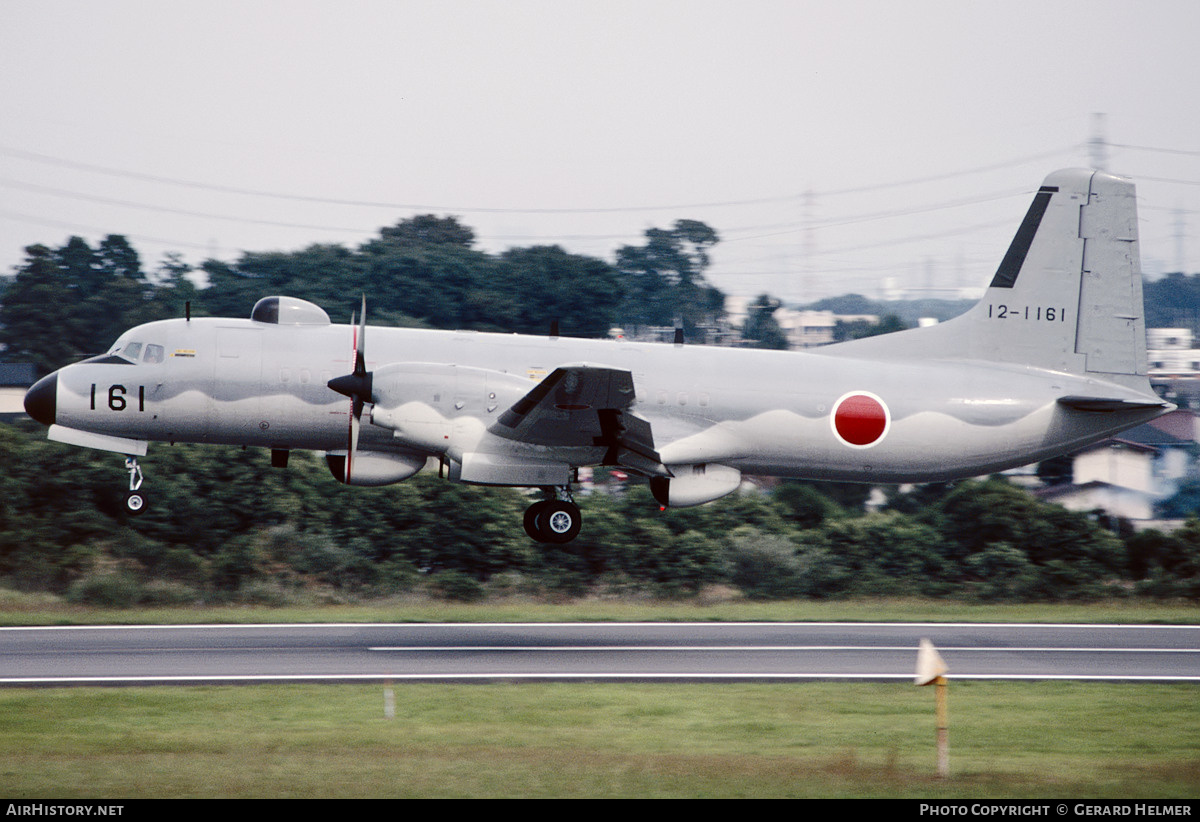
(169, 654)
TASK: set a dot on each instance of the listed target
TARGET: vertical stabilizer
(1067, 295)
(1112, 327)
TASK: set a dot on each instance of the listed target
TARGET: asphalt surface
(592, 651)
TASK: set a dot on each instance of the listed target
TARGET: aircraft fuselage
(239, 382)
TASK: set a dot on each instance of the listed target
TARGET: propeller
(355, 385)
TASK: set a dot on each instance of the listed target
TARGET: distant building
(806, 329)
(1113, 476)
(1127, 475)
(1170, 353)
(803, 328)
(1113, 500)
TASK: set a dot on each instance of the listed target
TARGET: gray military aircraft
(1052, 358)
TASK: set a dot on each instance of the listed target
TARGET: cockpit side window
(131, 351)
(154, 353)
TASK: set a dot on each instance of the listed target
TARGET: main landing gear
(554, 520)
(135, 500)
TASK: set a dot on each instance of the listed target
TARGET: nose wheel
(135, 499)
(553, 521)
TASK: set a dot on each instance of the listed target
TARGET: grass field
(1008, 740)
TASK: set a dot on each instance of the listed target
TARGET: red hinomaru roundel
(860, 419)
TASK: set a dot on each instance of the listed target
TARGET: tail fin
(1067, 295)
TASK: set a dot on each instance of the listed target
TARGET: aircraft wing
(585, 406)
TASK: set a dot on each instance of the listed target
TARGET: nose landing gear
(135, 500)
(555, 520)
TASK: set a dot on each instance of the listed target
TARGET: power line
(838, 222)
(1169, 180)
(91, 198)
(779, 229)
(951, 175)
(971, 229)
(88, 229)
(1179, 151)
(250, 192)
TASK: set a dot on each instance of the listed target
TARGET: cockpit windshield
(137, 352)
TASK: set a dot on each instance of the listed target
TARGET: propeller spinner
(356, 386)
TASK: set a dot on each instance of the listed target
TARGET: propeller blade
(360, 345)
(355, 423)
(355, 385)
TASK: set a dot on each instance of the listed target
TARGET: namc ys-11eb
(1051, 359)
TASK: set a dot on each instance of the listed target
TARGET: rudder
(1112, 327)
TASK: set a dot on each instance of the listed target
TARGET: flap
(584, 405)
(1102, 404)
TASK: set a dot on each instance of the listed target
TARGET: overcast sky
(834, 146)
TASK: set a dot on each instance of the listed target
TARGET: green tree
(173, 288)
(857, 329)
(37, 324)
(1074, 556)
(429, 229)
(1173, 301)
(329, 275)
(67, 303)
(761, 328)
(1004, 573)
(888, 553)
(765, 566)
(549, 284)
(664, 279)
(803, 505)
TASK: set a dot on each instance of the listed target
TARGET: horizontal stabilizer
(1105, 404)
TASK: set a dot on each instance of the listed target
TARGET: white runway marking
(799, 648)
(748, 676)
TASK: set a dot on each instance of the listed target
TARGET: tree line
(229, 527)
(64, 303)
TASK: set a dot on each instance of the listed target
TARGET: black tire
(531, 520)
(135, 503)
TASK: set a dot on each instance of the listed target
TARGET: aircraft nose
(41, 401)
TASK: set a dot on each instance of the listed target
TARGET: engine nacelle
(695, 484)
(371, 468)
